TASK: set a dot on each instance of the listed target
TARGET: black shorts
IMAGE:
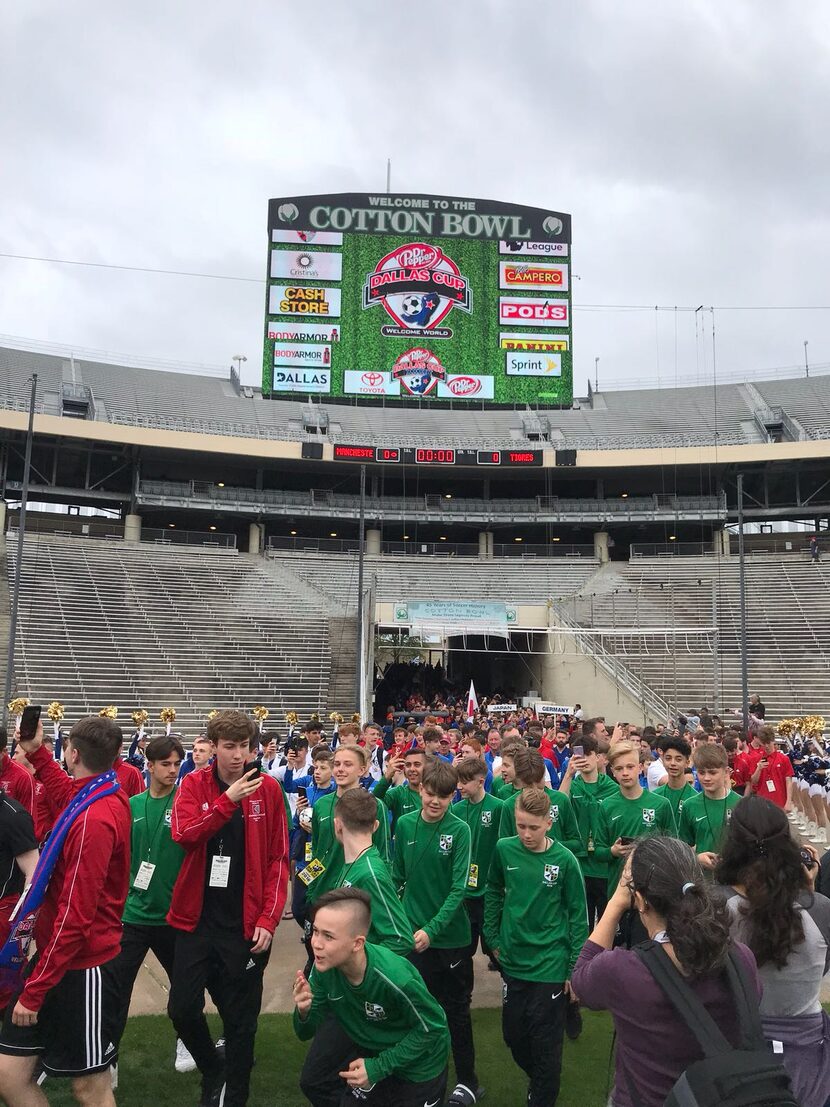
(76, 1032)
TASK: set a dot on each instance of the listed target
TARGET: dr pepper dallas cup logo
(418, 285)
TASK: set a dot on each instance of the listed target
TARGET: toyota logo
(372, 380)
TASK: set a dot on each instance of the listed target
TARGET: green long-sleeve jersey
(483, 819)
(677, 797)
(704, 822)
(586, 799)
(631, 818)
(563, 829)
(390, 927)
(431, 869)
(326, 851)
(400, 800)
(535, 913)
(390, 1016)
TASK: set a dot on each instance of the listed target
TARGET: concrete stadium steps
(506, 580)
(139, 626)
(788, 620)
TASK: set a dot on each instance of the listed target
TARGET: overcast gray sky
(688, 139)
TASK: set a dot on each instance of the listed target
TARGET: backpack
(749, 1076)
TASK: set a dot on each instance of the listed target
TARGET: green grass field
(146, 1074)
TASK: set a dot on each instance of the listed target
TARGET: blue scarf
(14, 954)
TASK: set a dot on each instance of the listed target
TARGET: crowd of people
(654, 872)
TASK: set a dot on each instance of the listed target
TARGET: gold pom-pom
(260, 713)
(336, 717)
(292, 718)
(141, 717)
(212, 714)
(16, 705)
(109, 712)
(168, 714)
(812, 726)
(315, 717)
(55, 711)
(356, 717)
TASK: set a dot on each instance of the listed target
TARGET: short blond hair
(534, 801)
(360, 752)
(621, 749)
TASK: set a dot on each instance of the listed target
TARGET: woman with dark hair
(665, 884)
(774, 911)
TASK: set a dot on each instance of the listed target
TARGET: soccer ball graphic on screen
(418, 310)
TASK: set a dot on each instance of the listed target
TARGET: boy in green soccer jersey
(432, 869)
(349, 766)
(389, 1043)
(504, 787)
(355, 821)
(482, 814)
(403, 798)
(676, 754)
(155, 863)
(588, 788)
(704, 820)
(529, 772)
(634, 813)
(536, 921)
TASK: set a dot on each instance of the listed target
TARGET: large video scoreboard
(391, 296)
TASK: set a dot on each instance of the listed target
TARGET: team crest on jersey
(554, 812)
(649, 815)
(486, 818)
(445, 843)
(375, 1012)
(255, 811)
(205, 806)
(551, 874)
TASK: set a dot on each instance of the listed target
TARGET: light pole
(596, 374)
(806, 362)
(239, 358)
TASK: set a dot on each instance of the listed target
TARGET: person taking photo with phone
(769, 882)
(227, 902)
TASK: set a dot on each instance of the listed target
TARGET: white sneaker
(184, 1061)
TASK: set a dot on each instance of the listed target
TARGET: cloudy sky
(689, 141)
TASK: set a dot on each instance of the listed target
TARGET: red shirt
(130, 779)
(745, 765)
(201, 809)
(20, 785)
(79, 923)
(772, 783)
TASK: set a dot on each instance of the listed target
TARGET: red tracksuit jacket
(199, 811)
(79, 924)
(20, 785)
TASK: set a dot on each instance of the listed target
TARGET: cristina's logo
(418, 285)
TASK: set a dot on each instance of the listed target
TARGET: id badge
(472, 879)
(770, 785)
(312, 870)
(220, 871)
(144, 876)
(308, 852)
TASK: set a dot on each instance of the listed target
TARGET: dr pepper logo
(418, 285)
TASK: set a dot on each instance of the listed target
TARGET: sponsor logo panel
(533, 275)
(306, 265)
(286, 353)
(303, 300)
(370, 382)
(302, 332)
(533, 365)
(536, 311)
(548, 343)
(534, 249)
(465, 386)
(308, 238)
(419, 371)
(302, 380)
